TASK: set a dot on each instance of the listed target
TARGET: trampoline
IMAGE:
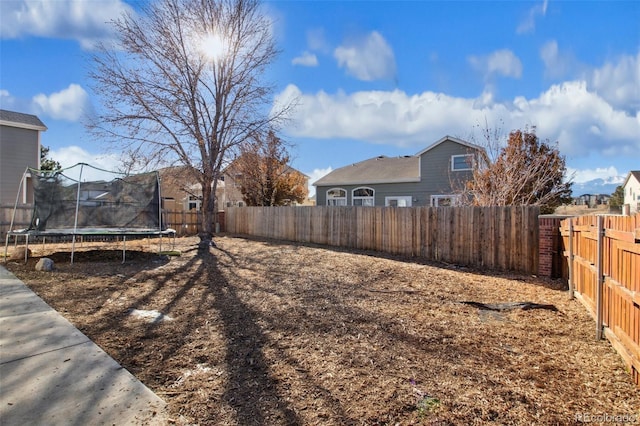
(83, 200)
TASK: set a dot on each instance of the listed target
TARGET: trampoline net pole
(75, 219)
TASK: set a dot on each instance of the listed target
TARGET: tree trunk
(208, 216)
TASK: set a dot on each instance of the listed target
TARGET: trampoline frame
(102, 233)
(82, 232)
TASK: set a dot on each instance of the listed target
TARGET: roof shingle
(19, 119)
(375, 170)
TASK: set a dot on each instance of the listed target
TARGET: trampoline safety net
(86, 198)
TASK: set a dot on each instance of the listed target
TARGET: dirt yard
(270, 333)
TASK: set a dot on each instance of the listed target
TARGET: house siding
(436, 178)
(632, 193)
(19, 149)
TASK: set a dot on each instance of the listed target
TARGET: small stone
(45, 264)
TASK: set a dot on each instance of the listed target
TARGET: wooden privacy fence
(504, 238)
(603, 253)
(184, 222)
(21, 220)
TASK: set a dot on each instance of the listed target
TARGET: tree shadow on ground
(250, 389)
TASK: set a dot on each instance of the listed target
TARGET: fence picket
(491, 237)
(603, 259)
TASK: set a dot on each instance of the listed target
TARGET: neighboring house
(428, 178)
(232, 179)
(182, 192)
(631, 188)
(591, 200)
(19, 149)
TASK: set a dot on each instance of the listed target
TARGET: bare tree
(265, 177)
(524, 172)
(185, 86)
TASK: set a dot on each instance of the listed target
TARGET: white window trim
(336, 198)
(368, 197)
(435, 199)
(453, 157)
(408, 199)
(190, 200)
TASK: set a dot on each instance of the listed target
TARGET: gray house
(19, 149)
(428, 178)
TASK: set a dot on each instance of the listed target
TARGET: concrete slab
(32, 334)
(51, 373)
(78, 385)
(19, 301)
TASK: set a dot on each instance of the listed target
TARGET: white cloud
(528, 24)
(71, 155)
(306, 60)
(616, 81)
(501, 62)
(81, 20)
(314, 176)
(69, 104)
(556, 64)
(580, 120)
(316, 40)
(8, 101)
(608, 174)
(619, 82)
(369, 58)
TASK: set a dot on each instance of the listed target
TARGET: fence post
(571, 289)
(600, 278)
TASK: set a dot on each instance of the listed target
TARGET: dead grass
(271, 333)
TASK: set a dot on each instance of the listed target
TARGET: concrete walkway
(51, 373)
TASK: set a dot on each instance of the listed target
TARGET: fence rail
(603, 253)
(501, 238)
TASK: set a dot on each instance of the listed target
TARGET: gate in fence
(603, 254)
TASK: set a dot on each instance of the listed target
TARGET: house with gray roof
(19, 149)
(428, 178)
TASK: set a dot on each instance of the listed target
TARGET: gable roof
(380, 169)
(21, 120)
(452, 139)
(384, 169)
(635, 174)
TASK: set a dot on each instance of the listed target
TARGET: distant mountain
(597, 186)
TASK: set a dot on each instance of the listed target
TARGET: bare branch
(186, 85)
(525, 171)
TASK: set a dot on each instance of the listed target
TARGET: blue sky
(378, 77)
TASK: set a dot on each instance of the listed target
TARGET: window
(336, 197)
(236, 180)
(363, 197)
(399, 201)
(193, 203)
(461, 162)
(444, 200)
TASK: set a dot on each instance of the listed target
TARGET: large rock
(45, 264)
(18, 253)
